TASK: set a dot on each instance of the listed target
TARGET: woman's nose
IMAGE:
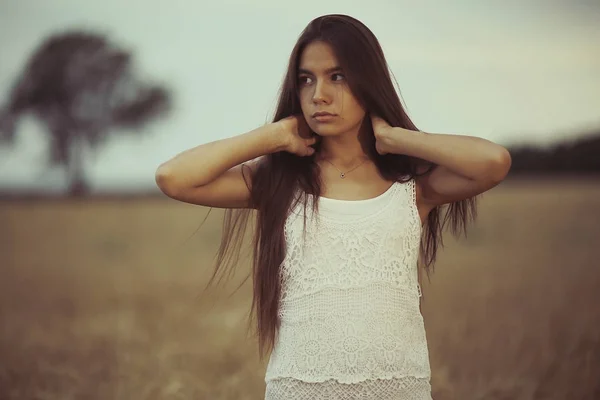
(320, 95)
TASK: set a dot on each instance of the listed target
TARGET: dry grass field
(99, 299)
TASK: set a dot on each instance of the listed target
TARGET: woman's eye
(305, 80)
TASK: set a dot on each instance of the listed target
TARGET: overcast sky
(507, 71)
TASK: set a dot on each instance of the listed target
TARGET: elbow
(164, 179)
(499, 165)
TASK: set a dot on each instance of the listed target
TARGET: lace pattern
(408, 388)
(349, 308)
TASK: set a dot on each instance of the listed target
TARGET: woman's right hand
(297, 137)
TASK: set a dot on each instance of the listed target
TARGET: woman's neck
(344, 152)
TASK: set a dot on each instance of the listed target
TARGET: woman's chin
(325, 130)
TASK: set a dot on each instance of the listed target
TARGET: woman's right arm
(211, 174)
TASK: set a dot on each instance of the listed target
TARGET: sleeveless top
(349, 306)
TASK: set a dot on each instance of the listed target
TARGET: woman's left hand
(382, 130)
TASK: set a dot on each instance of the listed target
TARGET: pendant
(342, 175)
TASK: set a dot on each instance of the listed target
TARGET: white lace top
(349, 307)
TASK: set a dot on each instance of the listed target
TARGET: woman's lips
(325, 117)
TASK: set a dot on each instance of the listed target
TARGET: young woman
(347, 194)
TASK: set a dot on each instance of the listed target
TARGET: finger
(306, 151)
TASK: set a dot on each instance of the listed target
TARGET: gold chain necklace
(343, 174)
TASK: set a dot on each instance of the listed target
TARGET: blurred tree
(579, 156)
(80, 85)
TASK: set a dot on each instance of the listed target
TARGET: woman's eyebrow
(327, 71)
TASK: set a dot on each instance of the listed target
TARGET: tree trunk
(75, 168)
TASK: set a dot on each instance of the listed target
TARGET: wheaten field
(99, 299)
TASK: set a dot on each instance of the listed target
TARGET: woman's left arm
(465, 165)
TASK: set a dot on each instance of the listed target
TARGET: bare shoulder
(423, 206)
(253, 164)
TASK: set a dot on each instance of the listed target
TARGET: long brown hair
(279, 176)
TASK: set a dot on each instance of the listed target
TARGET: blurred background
(102, 276)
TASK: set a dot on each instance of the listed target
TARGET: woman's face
(323, 88)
